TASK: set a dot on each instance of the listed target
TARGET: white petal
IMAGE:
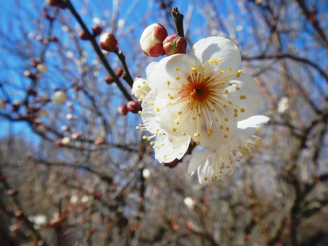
(217, 47)
(217, 138)
(198, 158)
(249, 89)
(149, 70)
(247, 128)
(165, 71)
(171, 147)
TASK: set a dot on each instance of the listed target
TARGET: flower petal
(220, 134)
(247, 97)
(166, 70)
(170, 147)
(199, 158)
(215, 48)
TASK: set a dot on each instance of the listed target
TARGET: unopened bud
(42, 68)
(59, 97)
(108, 42)
(140, 88)
(123, 110)
(85, 35)
(108, 79)
(119, 72)
(29, 74)
(174, 44)
(57, 3)
(133, 106)
(53, 38)
(152, 38)
(96, 29)
(99, 141)
(45, 97)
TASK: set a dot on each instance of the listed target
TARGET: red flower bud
(174, 44)
(108, 42)
(96, 29)
(133, 106)
(85, 35)
(152, 38)
(108, 79)
(119, 72)
(123, 110)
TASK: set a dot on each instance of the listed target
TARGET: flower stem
(178, 21)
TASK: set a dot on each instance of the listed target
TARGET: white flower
(140, 88)
(42, 68)
(203, 94)
(215, 163)
(39, 219)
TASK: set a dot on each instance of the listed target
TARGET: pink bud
(96, 29)
(123, 110)
(108, 79)
(152, 38)
(134, 106)
(108, 42)
(174, 44)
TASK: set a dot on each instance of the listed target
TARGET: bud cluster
(155, 41)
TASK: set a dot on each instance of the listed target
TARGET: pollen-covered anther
(174, 130)
(226, 91)
(183, 133)
(194, 69)
(227, 129)
(198, 142)
(235, 115)
(197, 134)
(157, 109)
(144, 137)
(221, 126)
(211, 60)
(237, 88)
(229, 69)
(177, 78)
(176, 122)
(177, 69)
(242, 97)
(180, 113)
(226, 119)
(238, 73)
(168, 82)
(137, 127)
(222, 71)
(139, 112)
(225, 136)
(242, 110)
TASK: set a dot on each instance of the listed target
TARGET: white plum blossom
(217, 163)
(203, 96)
(140, 88)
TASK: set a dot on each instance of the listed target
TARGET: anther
(177, 78)
(197, 134)
(174, 130)
(177, 69)
(242, 110)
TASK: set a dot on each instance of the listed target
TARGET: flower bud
(41, 68)
(108, 42)
(59, 97)
(65, 141)
(174, 44)
(123, 110)
(133, 106)
(119, 72)
(57, 3)
(96, 29)
(152, 38)
(108, 79)
(85, 35)
(140, 88)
